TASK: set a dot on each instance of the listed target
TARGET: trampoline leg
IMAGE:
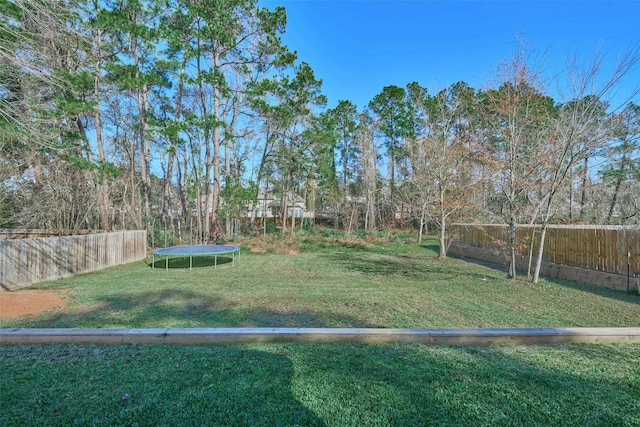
(166, 264)
(215, 261)
(190, 262)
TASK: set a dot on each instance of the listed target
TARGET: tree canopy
(115, 114)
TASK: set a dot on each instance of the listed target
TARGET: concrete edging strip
(191, 336)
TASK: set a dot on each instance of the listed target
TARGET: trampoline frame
(188, 250)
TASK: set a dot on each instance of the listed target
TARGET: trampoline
(197, 251)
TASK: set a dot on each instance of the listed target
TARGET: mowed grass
(320, 385)
(336, 285)
(375, 285)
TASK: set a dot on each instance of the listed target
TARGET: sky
(359, 46)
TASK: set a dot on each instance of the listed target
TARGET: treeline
(116, 112)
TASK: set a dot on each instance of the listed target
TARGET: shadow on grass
(159, 385)
(492, 265)
(410, 266)
(180, 308)
(597, 290)
(432, 247)
(418, 385)
(185, 263)
(318, 384)
(615, 294)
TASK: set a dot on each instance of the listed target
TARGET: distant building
(269, 206)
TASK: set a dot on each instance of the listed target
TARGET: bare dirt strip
(29, 301)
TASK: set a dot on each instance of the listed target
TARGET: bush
(159, 238)
(308, 224)
(272, 227)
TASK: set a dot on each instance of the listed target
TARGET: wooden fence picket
(31, 260)
(601, 248)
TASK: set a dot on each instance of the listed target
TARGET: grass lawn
(336, 284)
(320, 384)
(389, 285)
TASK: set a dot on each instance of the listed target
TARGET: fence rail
(25, 233)
(27, 261)
(601, 248)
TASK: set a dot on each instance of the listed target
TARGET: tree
(217, 52)
(336, 153)
(175, 76)
(440, 153)
(581, 129)
(623, 163)
(286, 103)
(515, 122)
(49, 103)
(136, 70)
(394, 123)
(297, 96)
(324, 191)
(345, 115)
(365, 140)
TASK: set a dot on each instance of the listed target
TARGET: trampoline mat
(197, 250)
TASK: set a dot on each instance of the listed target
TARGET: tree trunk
(543, 233)
(217, 228)
(583, 198)
(227, 171)
(443, 243)
(511, 273)
(571, 182)
(369, 170)
(283, 215)
(533, 236)
(616, 190)
(216, 169)
(87, 175)
(422, 217)
(166, 190)
(293, 215)
(102, 186)
(392, 173)
(182, 180)
(264, 209)
(141, 98)
(614, 201)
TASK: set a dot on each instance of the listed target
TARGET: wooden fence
(27, 261)
(601, 248)
(26, 233)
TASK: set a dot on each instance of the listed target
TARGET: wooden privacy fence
(25, 233)
(27, 261)
(602, 248)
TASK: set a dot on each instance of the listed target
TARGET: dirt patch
(258, 246)
(29, 301)
(273, 244)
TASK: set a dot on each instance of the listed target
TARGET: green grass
(372, 285)
(334, 282)
(320, 384)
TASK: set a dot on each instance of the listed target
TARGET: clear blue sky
(358, 47)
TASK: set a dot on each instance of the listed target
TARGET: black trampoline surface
(197, 250)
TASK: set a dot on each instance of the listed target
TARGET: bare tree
(623, 164)
(579, 130)
(364, 139)
(514, 117)
(440, 154)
